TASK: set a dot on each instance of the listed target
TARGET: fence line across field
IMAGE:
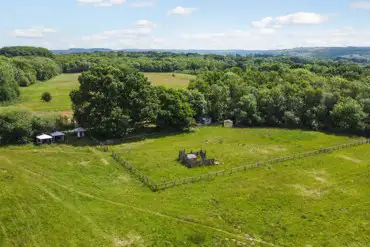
(161, 186)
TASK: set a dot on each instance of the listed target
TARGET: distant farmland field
(167, 80)
(60, 86)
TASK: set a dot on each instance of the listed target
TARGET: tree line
(293, 98)
(25, 51)
(114, 100)
(31, 64)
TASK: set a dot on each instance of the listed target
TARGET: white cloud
(270, 24)
(133, 33)
(33, 32)
(301, 18)
(267, 31)
(265, 22)
(360, 5)
(145, 24)
(101, 3)
(142, 36)
(248, 39)
(143, 4)
(181, 11)
(256, 39)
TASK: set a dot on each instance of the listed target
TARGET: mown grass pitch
(168, 80)
(66, 195)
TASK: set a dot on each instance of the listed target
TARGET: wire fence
(209, 176)
(135, 172)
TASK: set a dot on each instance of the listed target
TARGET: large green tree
(175, 110)
(348, 114)
(112, 100)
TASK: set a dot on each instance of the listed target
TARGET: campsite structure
(80, 132)
(44, 139)
(195, 159)
(57, 135)
(228, 123)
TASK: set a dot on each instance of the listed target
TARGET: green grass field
(167, 80)
(67, 195)
(60, 87)
(156, 158)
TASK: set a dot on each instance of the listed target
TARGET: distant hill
(354, 53)
(202, 52)
(325, 51)
(81, 50)
(218, 52)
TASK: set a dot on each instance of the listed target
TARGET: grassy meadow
(75, 195)
(60, 86)
(167, 80)
(156, 158)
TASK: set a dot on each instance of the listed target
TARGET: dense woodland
(114, 98)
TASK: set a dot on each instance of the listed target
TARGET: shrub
(46, 97)
(15, 126)
(43, 124)
(18, 126)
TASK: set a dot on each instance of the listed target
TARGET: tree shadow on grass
(150, 133)
(139, 135)
(72, 140)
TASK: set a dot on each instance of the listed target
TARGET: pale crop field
(76, 195)
(168, 80)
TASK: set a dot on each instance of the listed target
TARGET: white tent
(80, 132)
(43, 138)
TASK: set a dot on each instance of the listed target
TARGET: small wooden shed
(80, 132)
(228, 123)
(44, 139)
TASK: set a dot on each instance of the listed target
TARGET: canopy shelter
(57, 135)
(228, 123)
(42, 139)
(80, 132)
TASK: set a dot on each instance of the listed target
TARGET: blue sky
(185, 24)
